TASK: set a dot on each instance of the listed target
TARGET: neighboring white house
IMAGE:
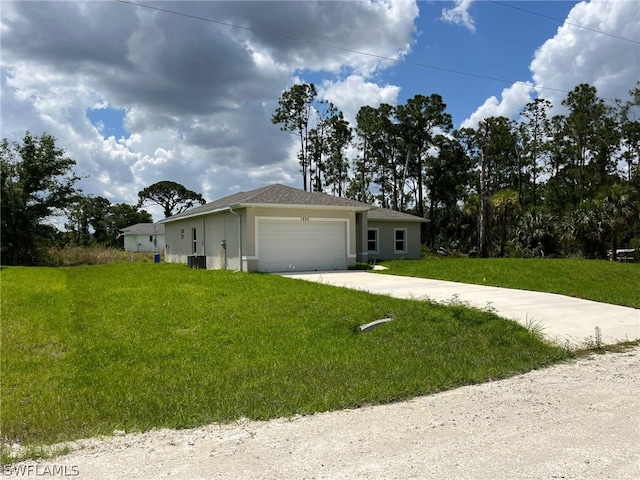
(279, 228)
(144, 237)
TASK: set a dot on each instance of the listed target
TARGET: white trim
(192, 215)
(377, 230)
(404, 240)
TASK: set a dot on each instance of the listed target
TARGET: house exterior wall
(386, 240)
(361, 237)
(143, 243)
(211, 230)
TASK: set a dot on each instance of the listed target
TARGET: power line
(564, 22)
(344, 49)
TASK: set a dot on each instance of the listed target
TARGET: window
(194, 241)
(372, 240)
(150, 238)
(400, 240)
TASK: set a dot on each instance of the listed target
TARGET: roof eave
(196, 214)
(419, 220)
(350, 208)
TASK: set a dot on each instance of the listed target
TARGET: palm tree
(621, 207)
(505, 202)
(536, 229)
(586, 225)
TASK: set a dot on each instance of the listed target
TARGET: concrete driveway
(566, 320)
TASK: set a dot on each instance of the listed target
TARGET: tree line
(543, 184)
(38, 183)
(95, 221)
(565, 184)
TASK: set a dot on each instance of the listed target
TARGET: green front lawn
(609, 282)
(88, 350)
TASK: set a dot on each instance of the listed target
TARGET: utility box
(197, 261)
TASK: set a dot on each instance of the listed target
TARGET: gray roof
(386, 215)
(144, 229)
(273, 195)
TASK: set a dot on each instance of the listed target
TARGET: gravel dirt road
(578, 420)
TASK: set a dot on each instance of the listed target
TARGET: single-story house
(393, 235)
(144, 237)
(279, 228)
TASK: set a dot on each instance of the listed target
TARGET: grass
(135, 346)
(599, 280)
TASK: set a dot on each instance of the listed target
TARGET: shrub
(360, 266)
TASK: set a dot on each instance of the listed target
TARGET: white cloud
(512, 101)
(459, 15)
(576, 55)
(313, 28)
(198, 97)
(354, 92)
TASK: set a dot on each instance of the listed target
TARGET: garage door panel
(301, 245)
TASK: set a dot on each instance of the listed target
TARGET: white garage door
(301, 245)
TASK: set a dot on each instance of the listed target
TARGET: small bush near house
(361, 266)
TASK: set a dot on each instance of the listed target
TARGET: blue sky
(502, 46)
(108, 121)
(138, 95)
